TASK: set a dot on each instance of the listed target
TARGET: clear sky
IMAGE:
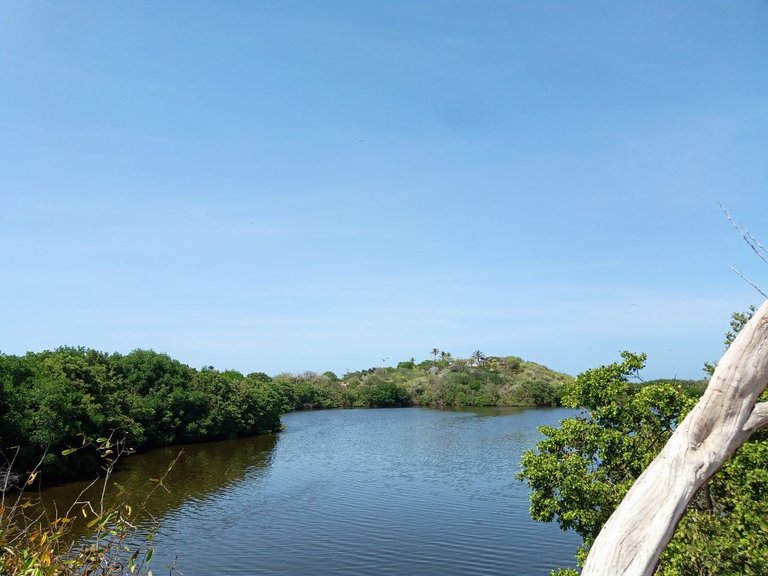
(335, 185)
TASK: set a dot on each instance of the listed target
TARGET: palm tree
(478, 356)
(434, 353)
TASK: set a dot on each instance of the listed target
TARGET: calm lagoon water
(354, 492)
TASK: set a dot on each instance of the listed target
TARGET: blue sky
(295, 185)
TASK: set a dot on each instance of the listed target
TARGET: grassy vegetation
(34, 544)
(484, 381)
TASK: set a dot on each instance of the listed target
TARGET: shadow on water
(346, 492)
(201, 470)
(487, 410)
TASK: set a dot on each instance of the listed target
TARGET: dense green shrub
(53, 400)
(580, 472)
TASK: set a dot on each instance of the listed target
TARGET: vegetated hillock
(448, 381)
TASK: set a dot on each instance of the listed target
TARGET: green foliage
(538, 393)
(383, 394)
(446, 381)
(583, 469)
(726, 530)
(53, 400)
(483, 381)
(693, 388)
(738, 321)
(580, 472)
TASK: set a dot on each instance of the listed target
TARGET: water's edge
(383, 491)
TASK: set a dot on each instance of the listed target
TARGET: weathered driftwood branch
(759, 417)
(639, 530)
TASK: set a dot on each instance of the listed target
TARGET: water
(349, 492)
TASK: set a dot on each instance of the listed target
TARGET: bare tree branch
(759, 417)
(748, 281)
(756, 246)
(639, 530)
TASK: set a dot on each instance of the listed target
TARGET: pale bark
(639, 530)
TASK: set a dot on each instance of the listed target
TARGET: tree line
(61, 401)
(58, 401)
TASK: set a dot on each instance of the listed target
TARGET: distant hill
(447, 381)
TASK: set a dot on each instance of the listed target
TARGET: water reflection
(348, 492)
(201, 470)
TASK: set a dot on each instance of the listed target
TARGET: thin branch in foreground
(749, 281)
(752, 242)
(756, 245)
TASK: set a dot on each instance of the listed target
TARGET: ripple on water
(350, 492)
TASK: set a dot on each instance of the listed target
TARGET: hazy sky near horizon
(335, 185)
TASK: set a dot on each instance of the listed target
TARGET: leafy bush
(31, 544)
(48, 400)
(581, 471)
